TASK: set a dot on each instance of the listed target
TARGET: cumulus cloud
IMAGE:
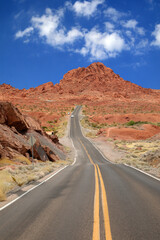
(49, 28)
(107, 40)
(132, 24)
(109, 26)
(86, 8)
(113, 14)
(102, 45)
(47, 23)
(156, 34)
(27, 32)
(140, 31)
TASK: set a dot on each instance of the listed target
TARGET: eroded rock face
(12, 143)
(12, 117)
(15, 131)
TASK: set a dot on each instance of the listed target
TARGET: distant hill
(94, 85)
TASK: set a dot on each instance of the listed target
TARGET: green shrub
(131, 123)
(50, 122)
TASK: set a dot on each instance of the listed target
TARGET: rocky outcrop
(77, 82)
(12, 144)
(95, 85)
(97, 77)
(15, 131)
(12, 117)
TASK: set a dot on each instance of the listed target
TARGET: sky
(41, 40)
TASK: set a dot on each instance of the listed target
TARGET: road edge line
(149, 175)
(75, 150)
(69, 136)
(16, 199)
(99, 151)
(75, 158)
(95, 146)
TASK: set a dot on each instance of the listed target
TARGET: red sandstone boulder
(12, 117)
(15, 131)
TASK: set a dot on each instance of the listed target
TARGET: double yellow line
(96, 224)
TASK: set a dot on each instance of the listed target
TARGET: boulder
(11, 116)
(15, 131)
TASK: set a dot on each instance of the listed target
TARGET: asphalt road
(90, 200)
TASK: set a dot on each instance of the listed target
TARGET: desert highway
(92, 199)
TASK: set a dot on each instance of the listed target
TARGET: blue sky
(41, 40)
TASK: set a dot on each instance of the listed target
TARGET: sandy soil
(67, 143)
(106, 147)
(142, 154)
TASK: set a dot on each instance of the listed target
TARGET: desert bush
(22, 159)
(50, 122)
(2, 196)
(6, 184)
(131, 123)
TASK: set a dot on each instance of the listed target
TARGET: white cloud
(156, 34)
(86, 8)
(102, 45)
(27, 32)
(109, 26)
(140, 31)
(49, 28)
(141, 46)
(117, 36)
(130, 24)
(47, 23)
(113, 14)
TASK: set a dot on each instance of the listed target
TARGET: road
(90, 200)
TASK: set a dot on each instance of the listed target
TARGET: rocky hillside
(98, 78)
(95, 78)
(15, 132)
(96, 86)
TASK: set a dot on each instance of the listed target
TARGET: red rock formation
(95, 85)
(15, 130)
(97, 77)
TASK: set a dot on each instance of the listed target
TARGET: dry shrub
(20, 179)
(22, 159)
(23, 174)
(2, 196)
(6, 161)
(6, 183)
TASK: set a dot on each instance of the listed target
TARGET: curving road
(90, 200)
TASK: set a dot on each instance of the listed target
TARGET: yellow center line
(87, 152)
(105, 208)
(96, 223)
